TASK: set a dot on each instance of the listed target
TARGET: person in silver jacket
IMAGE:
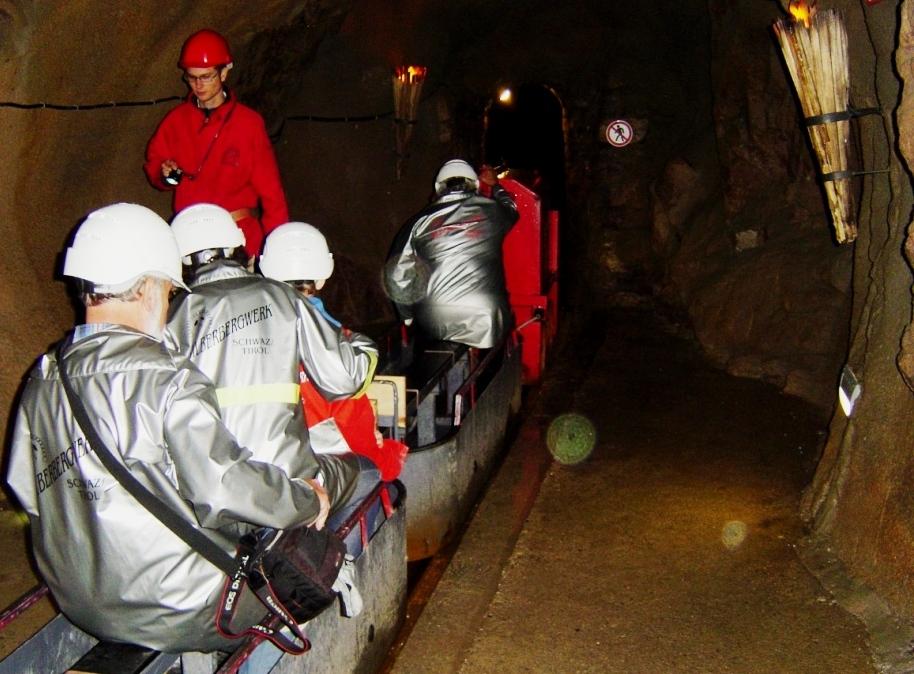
(445, 266)
(250, 335)
(113, 568)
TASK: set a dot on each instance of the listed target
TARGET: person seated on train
(112, 567)
(445, 267)
(296, 253)
(250, 335)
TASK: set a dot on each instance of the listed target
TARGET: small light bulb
(505, 95)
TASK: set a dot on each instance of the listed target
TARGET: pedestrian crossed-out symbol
(619, 133)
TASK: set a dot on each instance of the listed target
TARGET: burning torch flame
(411, 74)
(800, 10)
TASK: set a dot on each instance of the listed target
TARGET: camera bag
(291, 571)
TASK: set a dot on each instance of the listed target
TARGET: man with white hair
(114, 569)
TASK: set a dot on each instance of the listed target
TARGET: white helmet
(204, 226)
(117, 244)
(296, 251)
(455, 168)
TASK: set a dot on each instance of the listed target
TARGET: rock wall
(59, 165)
(770, 295)
(751, 255)
(859, 505)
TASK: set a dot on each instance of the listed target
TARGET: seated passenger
(297, 254)
(445, 266)
(250, 335)
(113, 568)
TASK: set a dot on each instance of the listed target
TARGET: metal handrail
(21, 605)
(469, 384)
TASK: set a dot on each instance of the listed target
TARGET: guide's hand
(168, 166)
(324, 501)
(488, 176)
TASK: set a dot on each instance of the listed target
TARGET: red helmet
(205, 49)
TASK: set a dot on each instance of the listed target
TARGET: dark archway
(526, 134)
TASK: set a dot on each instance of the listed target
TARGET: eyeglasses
(208, 78)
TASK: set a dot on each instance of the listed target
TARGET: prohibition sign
(619, 133)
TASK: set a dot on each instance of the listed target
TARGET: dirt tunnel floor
(635, 560)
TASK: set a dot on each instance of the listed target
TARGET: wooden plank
(113, 658)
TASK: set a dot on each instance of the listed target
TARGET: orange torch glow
(410, 74)
(407, 83)
(803, 11)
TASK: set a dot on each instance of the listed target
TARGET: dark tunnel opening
(524, 132)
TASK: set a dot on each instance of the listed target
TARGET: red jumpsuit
(227, 160)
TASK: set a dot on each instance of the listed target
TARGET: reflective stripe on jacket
(249, 334)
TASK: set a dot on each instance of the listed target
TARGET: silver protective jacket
(113, 568)
(445, 268)
(249, 334)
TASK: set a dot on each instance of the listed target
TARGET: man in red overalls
(213, 149)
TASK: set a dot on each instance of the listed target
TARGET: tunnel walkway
(671, 549)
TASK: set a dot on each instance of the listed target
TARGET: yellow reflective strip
(259, 393)
(372, 364)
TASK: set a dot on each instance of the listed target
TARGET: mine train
(452, 406)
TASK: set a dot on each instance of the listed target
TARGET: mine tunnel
(730, 315)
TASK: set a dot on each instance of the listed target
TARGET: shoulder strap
(236, 569)
(163, 512)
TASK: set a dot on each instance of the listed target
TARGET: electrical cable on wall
(87, 106)
(274, 137)
(355, 119)
(352, 119)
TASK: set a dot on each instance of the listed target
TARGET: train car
(531, 255)
(459, 405)
(452, 405)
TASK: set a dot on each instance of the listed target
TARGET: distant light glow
(733, 534)
(505, 96)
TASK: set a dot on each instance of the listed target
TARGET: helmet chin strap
(453, 196)
(202, 257)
